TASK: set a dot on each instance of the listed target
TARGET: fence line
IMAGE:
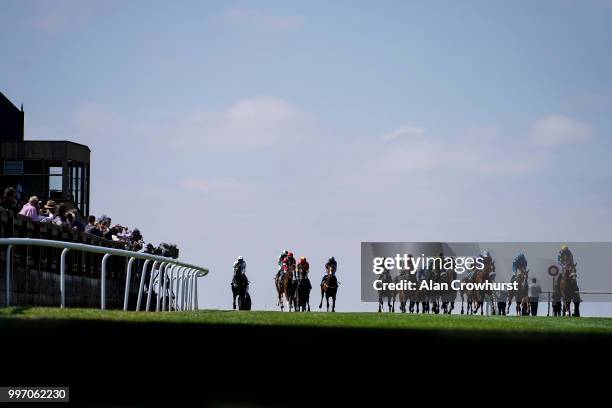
(184, 272)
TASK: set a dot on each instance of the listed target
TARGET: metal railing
(173, 276)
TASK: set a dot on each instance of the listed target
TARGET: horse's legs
(327, 302)
(576, 309)
(334, 303)
(321, 302)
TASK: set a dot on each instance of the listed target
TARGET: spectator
(50, 210)
(31, 209)
(8, 200)
(61, 218)
(18, 191)
(105, 230)
(534, 296)
(502, 297)
(73, 222)
(92, 227)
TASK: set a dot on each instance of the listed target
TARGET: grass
(583, 325)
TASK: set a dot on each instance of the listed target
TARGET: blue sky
(242, 128)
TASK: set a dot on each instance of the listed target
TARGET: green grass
(582, 325)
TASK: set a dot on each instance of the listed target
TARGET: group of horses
(293, 288)
(436, 301)
(566, 295)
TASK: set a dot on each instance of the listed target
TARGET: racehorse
(568, 287)
(423, 275)
(481, 276)
(403, 293)
(303, 290)
(467, 294)
(556, 297)
(286, 286)
(386, 278)
(521, 294)
(415, 295)
(240, 290)
(449, 295)
(329, 289)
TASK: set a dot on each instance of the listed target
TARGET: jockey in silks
(565, 257)
(281, 261)
(239, 265)
(332, 266)
(289, 260)
(303, 266)
(518, 264)
(239, 269)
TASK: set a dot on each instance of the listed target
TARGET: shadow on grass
(20, 310)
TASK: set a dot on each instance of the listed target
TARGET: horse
(329, 289)
(556, 297)
(386, 278)
(467, 294)
(303, 291)
(449, 295)
(240, 290)
(521, 294)
(481, 276)
(423, 295)
(403, 294)
(570, 293)
(286, 286)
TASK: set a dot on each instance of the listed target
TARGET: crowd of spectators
(61, 215)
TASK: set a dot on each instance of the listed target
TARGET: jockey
(332, 266)
(565, 257)
(304, 265)
(281, 262)
(240, 271)
(519, 263)
(289, 260)
(281, 259)
(239, 265)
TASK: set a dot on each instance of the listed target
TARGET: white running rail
(181, 276)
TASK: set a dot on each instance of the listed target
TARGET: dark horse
(329, 288)
(568, 288)
(303, 291)
(386, 277)
(520, 295)
(240, 290)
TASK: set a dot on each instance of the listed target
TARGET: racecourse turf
(225, 355)
(395, 321)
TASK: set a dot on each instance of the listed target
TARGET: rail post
(166, 286)
(155, 263)
(103, 282)
(160, 276)
(7, 298)
(63, 278)
(194, 295)
(142, 280)
(197, 295)
(128, 272)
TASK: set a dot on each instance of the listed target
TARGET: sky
(245, 128)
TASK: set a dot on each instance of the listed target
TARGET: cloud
(263, 20)
(404, 131)
(60, 15)
(223, 185)
(248, 124)
(556, 130)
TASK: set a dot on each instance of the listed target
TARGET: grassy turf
(337, 320)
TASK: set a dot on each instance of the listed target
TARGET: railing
(179, 278)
